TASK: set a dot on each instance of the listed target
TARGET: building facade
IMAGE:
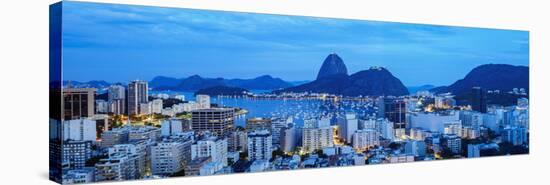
(138, 93)
(78, 103)
(216, 120)
(259, 145)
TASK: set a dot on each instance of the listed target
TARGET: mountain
(332, 65)
(163, 81)
(438, 89)
(333, 84)
(501, 77)
(98, 84)
(197, 82)
(414, 89)
(376, 81)
(222, 90)
(295, 83)
(265, 82)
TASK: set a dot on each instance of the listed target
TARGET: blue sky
(118, 43)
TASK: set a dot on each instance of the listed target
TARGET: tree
(92, 161)
(180, 173)
(276, 153)
(321, 154)
(446, 153)
(394, 145)
(243, 155)
(507, 148)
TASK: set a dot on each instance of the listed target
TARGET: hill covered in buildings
(498, 82)
(502, 77)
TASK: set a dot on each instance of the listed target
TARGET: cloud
(267, 40)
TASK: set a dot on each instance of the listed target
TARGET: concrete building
(416, 148)
(474, 150)
(170, 156)
(101, 106)
(78, 103)
(79, 176)
(347, 127)
(289, 141)
(363, 139)
(168, 111)
(79, 130)
(172, 126)
(471, 119)
(116, 92)
(393, 109)
(115, 136)
(419, 134)
(136, 152)
(203, 100)
(117, 167)
(117, 107)
(210, 168)
(444, 101)
(453, 127)
(259, 145)
(453, 142)
(190, 106)
(258, 124)
(316, 138)
(145, 108)
(368, 123)
(117, 99)
(401, 158)
(156, 106)
(143, 133)
(216, 120)
(76, 153)
(514, 135)
(138, 93)
(479, 100)
(434, 122)
(194, 167)
(277, 126)
(238, 141)
(213, 147)
(385, 129)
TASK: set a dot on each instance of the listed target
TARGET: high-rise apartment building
(138, 93)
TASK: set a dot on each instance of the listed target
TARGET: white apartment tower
(259, 145)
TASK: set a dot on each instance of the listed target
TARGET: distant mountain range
(98, 84)
(333, 78)
(222, 90)
(501, 77)
(197, 82)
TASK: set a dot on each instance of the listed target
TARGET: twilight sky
(118, 43)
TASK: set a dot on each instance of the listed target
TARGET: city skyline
(357, 111)
(116, 42)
